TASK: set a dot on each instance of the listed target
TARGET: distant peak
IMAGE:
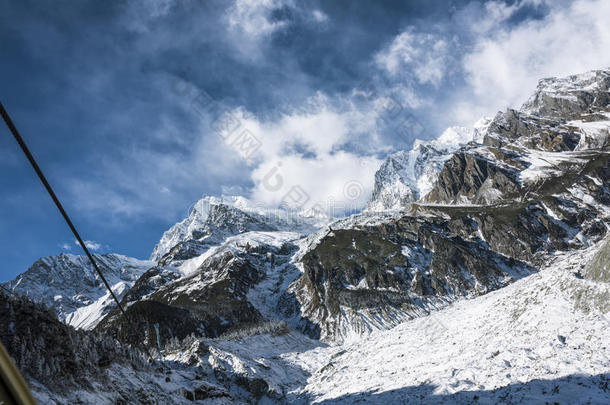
(406, 176)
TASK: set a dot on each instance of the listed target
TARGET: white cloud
(500, 57)
(505, 64)
(90, 244)
(325, 180)
(425, 55)
(249, 23)
(319, 16)
(251, 17)
(66, 246)
(306, 149)
(320, 144)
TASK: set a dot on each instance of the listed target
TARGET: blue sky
(122, 102)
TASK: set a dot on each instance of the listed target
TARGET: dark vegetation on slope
(55, 354)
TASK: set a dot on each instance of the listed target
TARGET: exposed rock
(473, 178)
(571, 97)
(209, 302)
(406, 176)
(375, 276)
(599, 268)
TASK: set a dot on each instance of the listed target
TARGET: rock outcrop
(533, 182)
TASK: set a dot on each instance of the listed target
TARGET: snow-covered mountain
(543, 339)
(69, 284)
(233, 284)
(492, 201)
(571, 97)
(477, 274)
(213, 219)
(407, 176)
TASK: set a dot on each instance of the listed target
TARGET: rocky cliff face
(361, 277)
(407, 176)
(214, 298)
(533, 183)
(572, 97)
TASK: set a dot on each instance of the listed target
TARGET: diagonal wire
(43, 179)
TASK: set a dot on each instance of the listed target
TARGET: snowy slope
(519, 344)
(69, 284)
(238, 243)
(595, 134)
(543, 339)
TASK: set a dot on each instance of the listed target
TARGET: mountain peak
(70, 284)
(213, 219)
(570, 97)
(407, 176)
